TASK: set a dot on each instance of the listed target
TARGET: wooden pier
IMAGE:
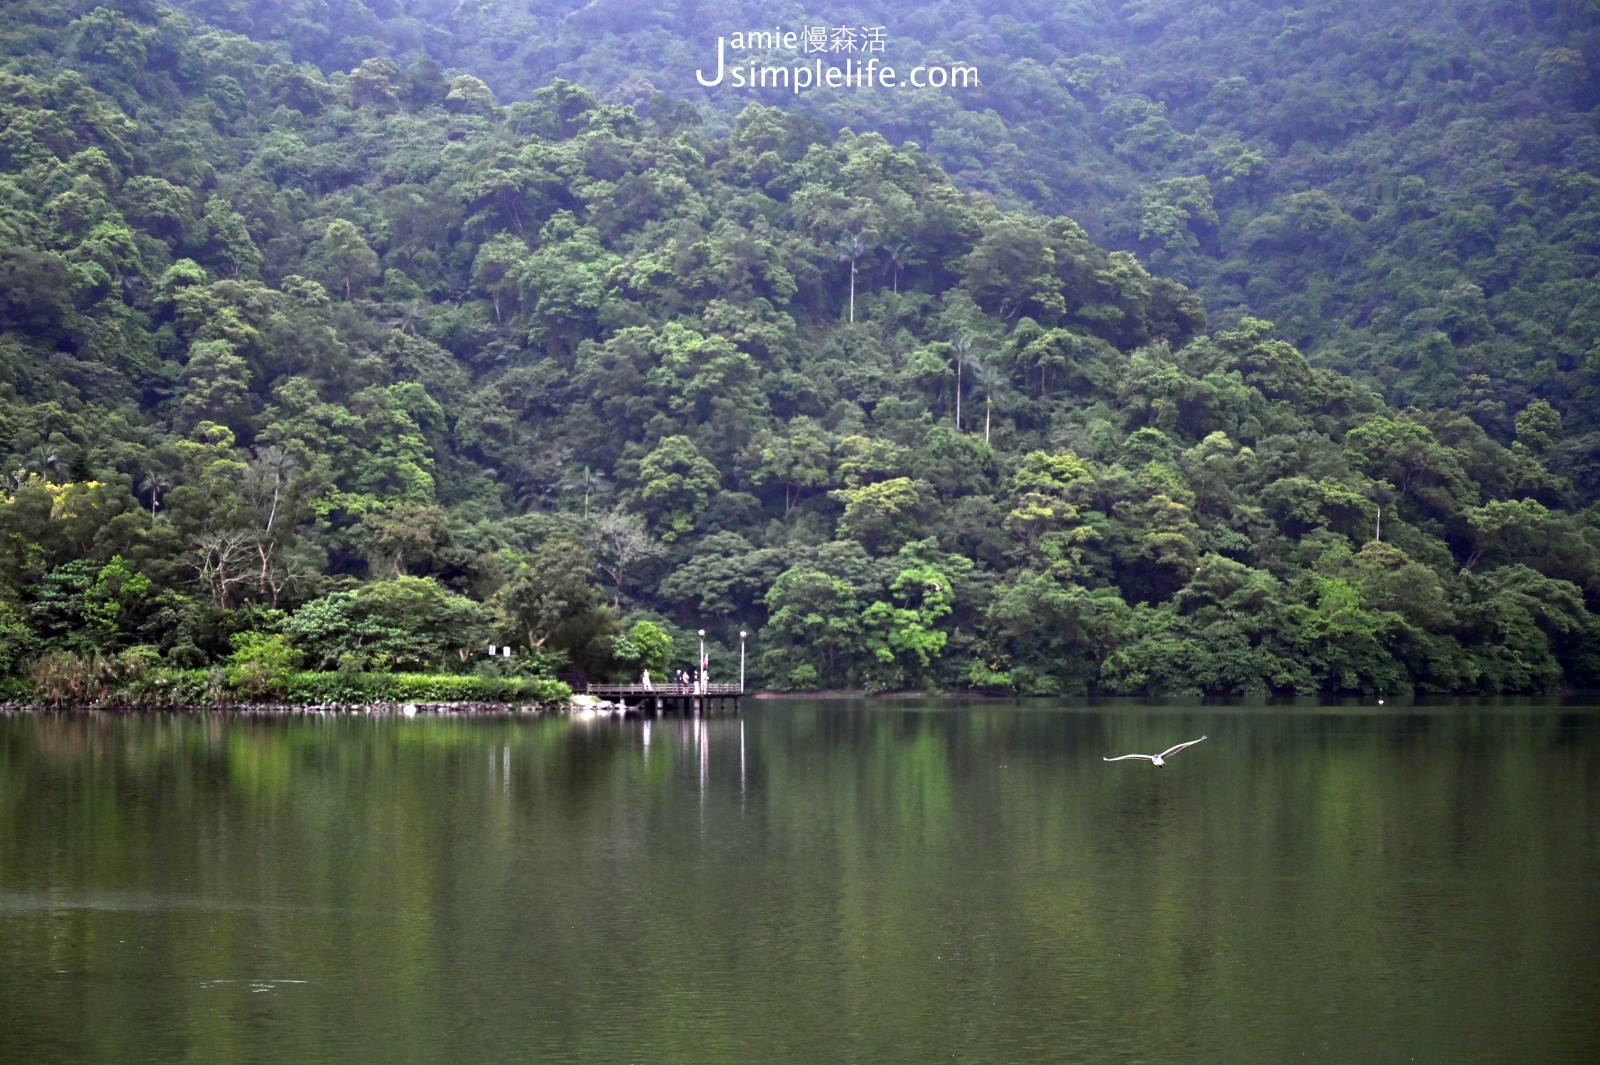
(670, 698)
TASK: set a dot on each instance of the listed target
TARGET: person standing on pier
(644, 678)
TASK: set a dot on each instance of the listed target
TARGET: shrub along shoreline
(68, 681)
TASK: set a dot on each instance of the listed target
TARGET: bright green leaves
(644, 646)
(346, 260)
(1050, 473)
(801, 458)
(85, 605)
(866, 460)
(1040, 501)
(1176, 211)
(382, 446)
(410, 623)
(495, 271)
(548, 599)
(675, 485)
(565, 281)
(1337, 614)
(884, 515)
(819, 619)
(216, 386)
(906, 629)
(44, 524)
(840, 617)
(1012, 270)
(703, 378)
(1515, 526)
(228, 240)
(1276, 369)
(1538, 426)
(1409, 458)
(261, 662)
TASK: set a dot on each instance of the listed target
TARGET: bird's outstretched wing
(1174, 750)
(1123, 757)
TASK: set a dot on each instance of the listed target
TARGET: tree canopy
(330, 346)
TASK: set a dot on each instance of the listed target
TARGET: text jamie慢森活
(815, 73)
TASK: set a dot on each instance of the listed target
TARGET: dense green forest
(315, 349)
(1406, 188)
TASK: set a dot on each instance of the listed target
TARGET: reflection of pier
(670, 698)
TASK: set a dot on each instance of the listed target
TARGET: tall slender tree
(155, 482)
(991, 382)
(960, 345)
(851, 249)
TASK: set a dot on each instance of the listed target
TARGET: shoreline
(586, 706)
(1395, 700)
(379, 708)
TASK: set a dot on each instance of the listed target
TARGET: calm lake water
(817, 882)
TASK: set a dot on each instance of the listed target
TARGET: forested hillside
(1406, 188)
(374, 367)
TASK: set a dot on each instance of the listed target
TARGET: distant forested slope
(1410, 190)
(381, 367)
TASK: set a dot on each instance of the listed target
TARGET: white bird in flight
(1158, 760)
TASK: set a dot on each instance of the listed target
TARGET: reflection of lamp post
(702, 684)
(742, 635)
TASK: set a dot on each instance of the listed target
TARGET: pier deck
(669, 697)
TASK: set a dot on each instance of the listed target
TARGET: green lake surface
(813, 882)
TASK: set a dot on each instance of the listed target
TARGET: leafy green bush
(261, 662)
(408, 622)
(258, 676)
(347, 688)
(16, 639)
(645, 645)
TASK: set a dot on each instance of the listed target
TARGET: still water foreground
(812, 883)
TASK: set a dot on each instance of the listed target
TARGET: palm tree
(851, 249)
(587, 479)
(990, 382)
(1382, 493)
(897, 256)
(155, 482)
(46, 460)
(961, 344)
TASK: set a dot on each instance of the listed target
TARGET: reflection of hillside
(811, 878)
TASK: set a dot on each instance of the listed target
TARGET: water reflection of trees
(870, 878)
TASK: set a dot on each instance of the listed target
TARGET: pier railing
(676, 691)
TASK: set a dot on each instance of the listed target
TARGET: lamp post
(742, 635)
(702, 678)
